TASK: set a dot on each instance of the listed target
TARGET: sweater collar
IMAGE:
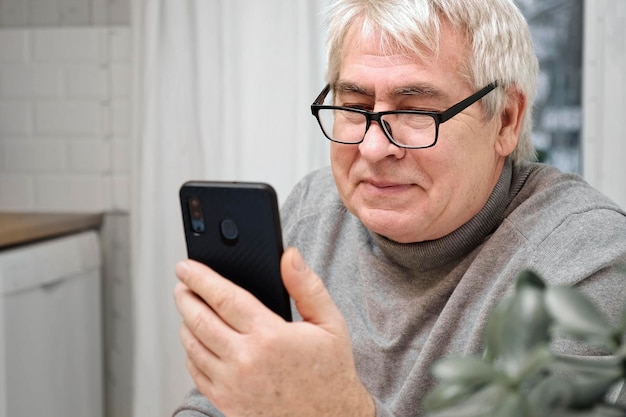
(436, 253)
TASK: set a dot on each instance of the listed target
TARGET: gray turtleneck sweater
(406, 305)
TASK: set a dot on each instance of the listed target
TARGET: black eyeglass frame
(438, 117)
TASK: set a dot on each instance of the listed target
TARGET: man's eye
(432, 107)
(423, 108)
(421, 104)
(357, 106)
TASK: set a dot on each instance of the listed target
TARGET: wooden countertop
(22, 228)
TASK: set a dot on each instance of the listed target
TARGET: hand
(248, 361)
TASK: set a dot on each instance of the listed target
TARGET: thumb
(307, 290)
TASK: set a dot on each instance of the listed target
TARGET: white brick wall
(64, 119)
(14, 46)
(64, 139)
(31, 13)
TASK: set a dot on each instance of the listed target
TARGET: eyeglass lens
(345, 126)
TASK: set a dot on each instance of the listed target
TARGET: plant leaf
(480, 403)
(622, 324)
(591, 389)
(526, 324)
(602, 365)
(463, 370)
(552, 393)
(529, 278)
(512, 406)
(539, 359)
(577, 316)
(493, 330)
(446, 395)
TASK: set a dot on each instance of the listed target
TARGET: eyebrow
(348, 87)
(419, 90)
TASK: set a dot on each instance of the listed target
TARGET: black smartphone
(234, 228)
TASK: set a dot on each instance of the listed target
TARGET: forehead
(378, 54)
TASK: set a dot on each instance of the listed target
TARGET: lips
(383, 186)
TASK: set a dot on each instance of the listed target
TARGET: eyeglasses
(411, 129)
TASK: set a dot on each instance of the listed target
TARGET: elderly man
(430, 208)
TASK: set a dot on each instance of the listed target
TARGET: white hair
(498, 36)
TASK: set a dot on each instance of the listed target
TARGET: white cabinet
(51, 328)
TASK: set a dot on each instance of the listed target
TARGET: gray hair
(500, 44)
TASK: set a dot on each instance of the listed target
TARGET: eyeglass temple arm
(320, 99)
(462, 105)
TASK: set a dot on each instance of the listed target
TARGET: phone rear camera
(194, 207)
(229, 230)
(195, 211)
(197, 226)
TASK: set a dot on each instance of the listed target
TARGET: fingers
(209, 330)
(199, 359)
(204, 368)
(307, 290)
(239, 309)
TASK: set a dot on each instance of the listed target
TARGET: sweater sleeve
(196, 405)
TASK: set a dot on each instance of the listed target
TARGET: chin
(388, 226)
(399, 238)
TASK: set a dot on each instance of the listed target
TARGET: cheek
(467, 174)
(468, 148)
(446, 173)
(341, 159)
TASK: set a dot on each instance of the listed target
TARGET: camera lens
(198, 226)
(194, 206)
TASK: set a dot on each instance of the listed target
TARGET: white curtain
(604, 97)
(222, 91)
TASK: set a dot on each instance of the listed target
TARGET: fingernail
(297, 261)
(181, 269)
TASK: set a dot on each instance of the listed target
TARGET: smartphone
(234, 228)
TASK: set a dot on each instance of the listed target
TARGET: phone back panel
(234, 228)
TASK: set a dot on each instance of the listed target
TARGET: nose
(376, 146)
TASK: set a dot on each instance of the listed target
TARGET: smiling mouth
(386, 187)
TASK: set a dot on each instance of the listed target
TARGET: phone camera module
(195, 211)
(194, 207)
(229, 230)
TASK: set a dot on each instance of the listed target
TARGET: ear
(510, 122)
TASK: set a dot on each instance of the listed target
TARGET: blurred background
(108, 106)
(556, 29)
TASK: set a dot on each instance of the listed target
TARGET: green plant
(519, 375)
